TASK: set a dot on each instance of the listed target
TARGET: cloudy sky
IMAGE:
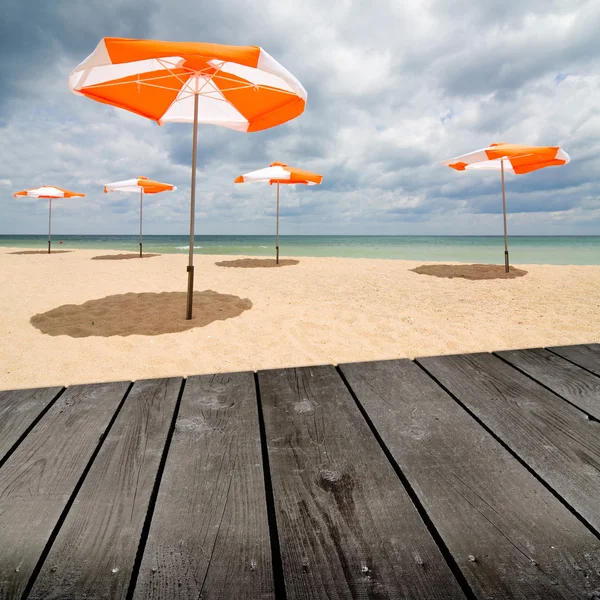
(393, 88)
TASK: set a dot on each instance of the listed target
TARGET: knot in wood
(329, 477)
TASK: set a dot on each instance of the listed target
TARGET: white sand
(322, 310)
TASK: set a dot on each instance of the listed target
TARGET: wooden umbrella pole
(49, 221)
(190, 269)
(506, 262)
(141, 196)
(277, 228)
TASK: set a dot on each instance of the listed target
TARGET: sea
(554, 250)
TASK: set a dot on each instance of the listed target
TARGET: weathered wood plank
(38, 479)
(584, 355)
(209, 536)
(568, 380)
(554, 438)
(18, 410)
(509, 535)
(347, 527)
(94, 553)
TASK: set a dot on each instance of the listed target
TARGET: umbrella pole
(49, 221)
(506, 263)
(141, 196)
(277, 228)
(190, 269)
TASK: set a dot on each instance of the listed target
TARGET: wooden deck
(468, 476)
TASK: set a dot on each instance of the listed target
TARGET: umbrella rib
(160, 62)
(256, 85)
(136, 81)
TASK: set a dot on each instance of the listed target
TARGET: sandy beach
(108, 320)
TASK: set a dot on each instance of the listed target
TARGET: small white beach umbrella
(514, 158)
(143, 185)
(279, 172)
(49, 192)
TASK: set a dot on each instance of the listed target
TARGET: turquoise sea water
(557, 250)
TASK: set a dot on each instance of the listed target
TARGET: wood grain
(209, 536)
(38, 479)
(347, 527)
(488, 508)
(555, 439)
(94, 553)
(584, 355)
(568, 380)
(18, 410)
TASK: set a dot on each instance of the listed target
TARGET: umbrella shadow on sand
(122, 256)
(139, 314)
(42, 252)
(257, 263)
(471, 272)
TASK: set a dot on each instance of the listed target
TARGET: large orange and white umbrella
(279, 172)
(48, 192)
(513, 158)
(143, 185)
(240, 87)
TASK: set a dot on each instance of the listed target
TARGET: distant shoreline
(557, 250)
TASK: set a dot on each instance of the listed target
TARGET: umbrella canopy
(140, 184)
(515, 158)
(512, 157)
(48, 192)
(240, 87)
(279, 172)
(143, 185)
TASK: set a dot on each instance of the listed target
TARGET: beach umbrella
(277, 173)
(143, 185)
(49, 192)
(239, 87)
(513, 158)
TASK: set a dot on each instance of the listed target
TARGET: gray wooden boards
(347, 527)
(94, 552)
(585, 355)
(578, 386)
(555, 439)
(38, 479)
(18, 411)
(509, 535)
(209, 536)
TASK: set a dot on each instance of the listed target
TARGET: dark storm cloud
(34, 34)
